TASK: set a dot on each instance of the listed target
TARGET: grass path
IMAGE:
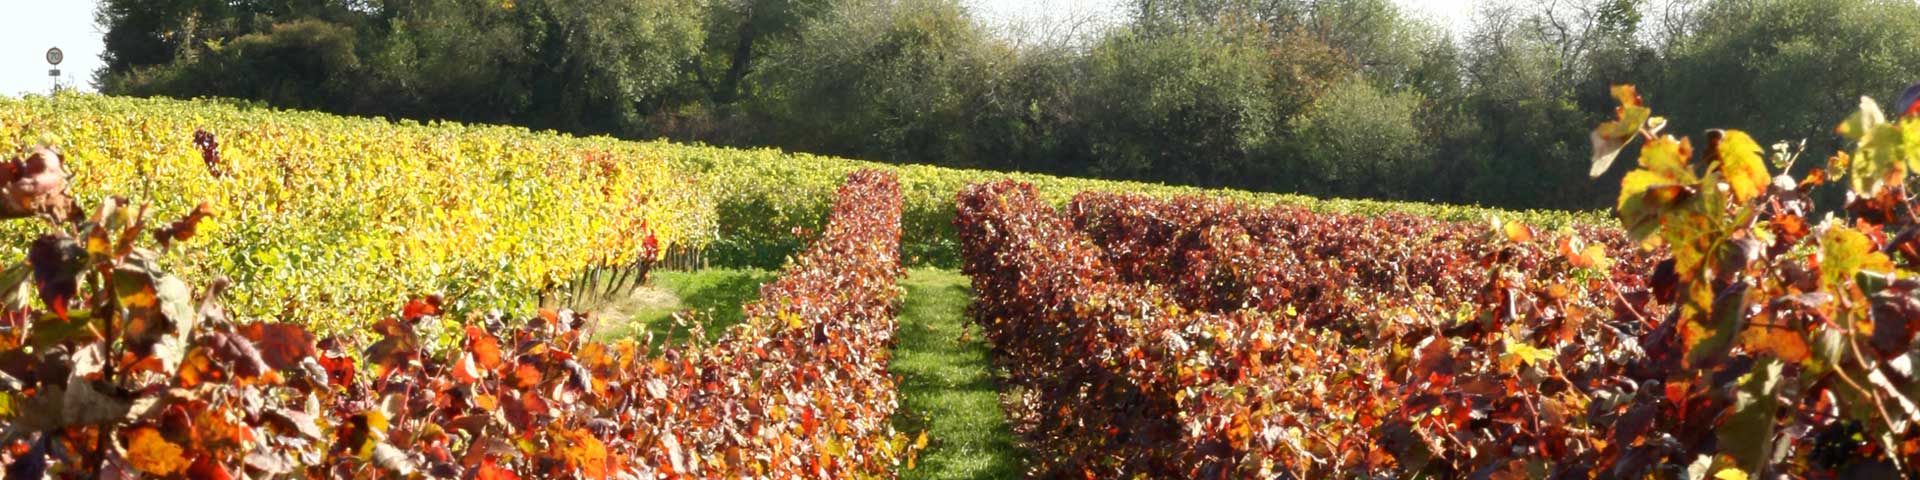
(946, 385)
(716, 294)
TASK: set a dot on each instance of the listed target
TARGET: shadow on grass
(947, 387)
(713, 296)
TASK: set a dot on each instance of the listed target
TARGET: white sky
(35, 25)
(32, 27)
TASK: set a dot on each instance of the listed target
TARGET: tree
(595, 61)
(880, 79)
(1188, 107)
(738, 35)
(1789, 67)
(1360, 141)
(584, 66)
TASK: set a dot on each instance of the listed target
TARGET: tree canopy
(1334, 97)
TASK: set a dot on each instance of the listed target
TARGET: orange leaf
(526, 376)
(465, 371)
(489, 470)
(197, 368)
(485, 348)
(1786, 343)
(1518, 232)
(148, 452)
(421, 307)
(586, 453)
(281, 345)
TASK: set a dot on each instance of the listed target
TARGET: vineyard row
(127, 373)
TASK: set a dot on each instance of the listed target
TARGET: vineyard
(207, 290)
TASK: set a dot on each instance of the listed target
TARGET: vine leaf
(1661, 185)
(1747, 434)
(16, 293)
(57, 261)
(1879, 158)
(37, 183)
(284, 346)
(1844, 252)
(1740, 161)
(184, 228)
(160, 312)
(1780, 339)
(151, 453)
(1612, 137)
(490, 470)
(1709, 342)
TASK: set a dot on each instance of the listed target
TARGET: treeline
(1327, 97)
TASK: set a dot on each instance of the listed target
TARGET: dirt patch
(616, 313)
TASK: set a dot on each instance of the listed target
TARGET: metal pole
(54, 57)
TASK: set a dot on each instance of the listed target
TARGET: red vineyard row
(1218, 256)
(1198, 338)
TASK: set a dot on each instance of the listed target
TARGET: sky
(32, 27)
(35, 25)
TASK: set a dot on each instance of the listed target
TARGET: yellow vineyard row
(332, 221)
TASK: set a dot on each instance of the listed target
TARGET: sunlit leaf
(151, 453)
(1739, 157)
(1661, 184)
(1611, 137)
(1844, 252)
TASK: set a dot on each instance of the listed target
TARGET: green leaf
(16, 292)
(1525, 353)
(1709, 342)
(50, 329)
(1747, 434)
(1879, 158)
(1862, 120)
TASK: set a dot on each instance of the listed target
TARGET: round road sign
(54, 55)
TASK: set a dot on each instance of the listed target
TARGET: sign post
(54, 57)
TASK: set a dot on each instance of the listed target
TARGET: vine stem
(1853, 348)
(106, 370)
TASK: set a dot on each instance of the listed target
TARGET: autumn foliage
(1157, 370)
(1719, 334)
(114, 368)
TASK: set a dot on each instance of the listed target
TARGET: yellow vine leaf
(1844, 252)
(1611, 137)
(1526, 353)
(1740, 160)
(1661, 184)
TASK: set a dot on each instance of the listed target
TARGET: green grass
(714, 295)
(946, 387)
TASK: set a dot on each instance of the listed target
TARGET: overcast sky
(35, 25)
